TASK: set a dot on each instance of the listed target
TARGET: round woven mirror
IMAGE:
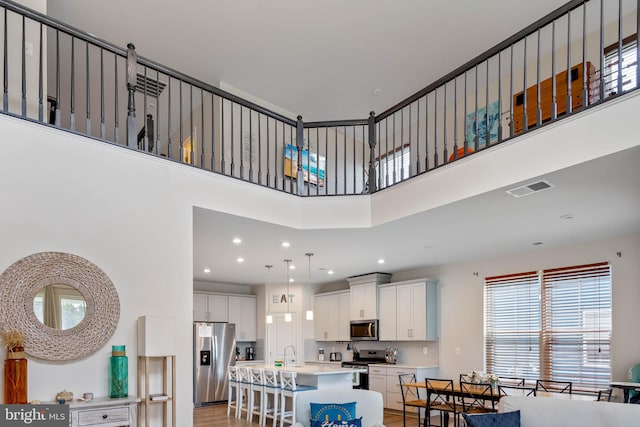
(26, 278)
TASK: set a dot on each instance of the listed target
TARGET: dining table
(457, 391)
(626, 387)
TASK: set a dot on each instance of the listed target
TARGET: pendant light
(309, 313)
(266, 294)
(287, 315)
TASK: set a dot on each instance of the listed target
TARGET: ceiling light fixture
(287, 315)
(240, 259)
(309, 313)
(237, 240)
(207, 270)
(330, 272)
(266, 294)
(285, 244)
(566, 216)
(380, 261)
(376, 92)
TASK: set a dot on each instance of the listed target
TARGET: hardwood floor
(216, 415)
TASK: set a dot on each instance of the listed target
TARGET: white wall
(131, 215)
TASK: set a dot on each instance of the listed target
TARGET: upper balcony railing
(60, 76)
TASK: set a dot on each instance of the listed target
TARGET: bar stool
(232, 390)
(244, 390)
(290, 389)
(271, 387)
(256, 389)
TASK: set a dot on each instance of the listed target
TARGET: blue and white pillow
(357, 422)
(504, 419)
(333, 411)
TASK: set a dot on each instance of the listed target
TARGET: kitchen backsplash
(409, 353)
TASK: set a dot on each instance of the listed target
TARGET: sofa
(559, 412)
(368, 405)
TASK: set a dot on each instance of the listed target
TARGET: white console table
(104, 412)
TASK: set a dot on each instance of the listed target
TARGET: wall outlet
(425, 350)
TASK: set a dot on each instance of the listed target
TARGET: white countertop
(399, 365)
(310, 369)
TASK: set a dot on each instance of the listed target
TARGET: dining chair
(271, 388)
(290, 389)
(232, 390)
(605, 395)
(440, 394)
(517, 381)
(554, 386)
(256, 395)
(516, 390)
(477, 398)
(410, 397)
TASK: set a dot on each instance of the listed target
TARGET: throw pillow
(333, 411)
(504, 419)
(357, 422)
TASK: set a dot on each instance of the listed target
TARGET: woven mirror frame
(19, 285)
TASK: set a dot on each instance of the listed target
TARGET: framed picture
(478, 120)
(313, 165)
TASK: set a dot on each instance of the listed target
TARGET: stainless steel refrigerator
(214, 349)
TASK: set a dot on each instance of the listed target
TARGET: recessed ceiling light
(380, 261)
(537, 243)
(207, 270)
(377, 91)
(292, 267)
(286, 244)
(240, 259)
(330, 272)
(566, 216)
(237, 240)
(429, 246)
(291, 279)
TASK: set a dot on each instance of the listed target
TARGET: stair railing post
(132, 71)
(300, 147)
(371, 186)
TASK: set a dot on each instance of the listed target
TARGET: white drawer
(399, 371)
(104, 416)
(377, 370)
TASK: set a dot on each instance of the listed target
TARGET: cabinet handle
(326, 334)
(104, 416)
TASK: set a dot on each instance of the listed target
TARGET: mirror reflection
(59, 306)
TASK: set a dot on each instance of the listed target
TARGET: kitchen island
(321, 377)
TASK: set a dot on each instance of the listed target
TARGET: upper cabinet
(364, 295)
(331, 316)
(238, 309)
(410, 311)
(210, 307)
(242, 312)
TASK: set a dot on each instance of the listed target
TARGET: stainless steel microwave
(364, 330)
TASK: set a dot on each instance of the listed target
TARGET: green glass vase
(119, 372)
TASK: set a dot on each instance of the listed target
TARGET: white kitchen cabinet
(364, 295)
(210, 307)
(378, 382)
(242, 312)
(387, 381)
(331, 316)
(416, 314)
(387, 312)
(364, 302)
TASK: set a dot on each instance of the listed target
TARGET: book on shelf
(158, 396)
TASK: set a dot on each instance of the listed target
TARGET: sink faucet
(293, 353)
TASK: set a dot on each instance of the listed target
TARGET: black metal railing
(580, 55)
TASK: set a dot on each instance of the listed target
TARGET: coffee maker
(251, 353)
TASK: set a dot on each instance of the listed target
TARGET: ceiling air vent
(531, 188)
(153, 87)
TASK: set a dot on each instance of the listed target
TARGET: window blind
(394, 166)
(628, 67)
(576, 325)
(512, 325)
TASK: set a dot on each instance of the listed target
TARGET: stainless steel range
(361, 361)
